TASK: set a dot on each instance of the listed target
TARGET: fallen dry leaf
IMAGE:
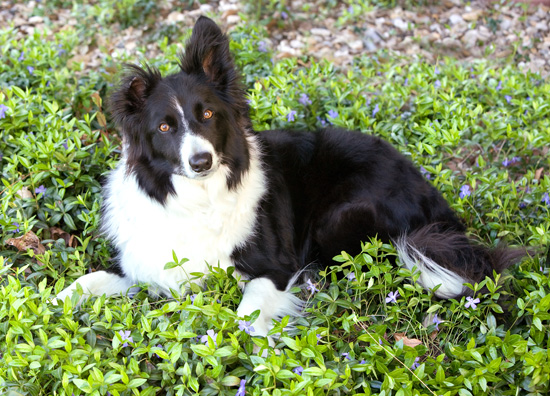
(538, 173)
(24, 193)
(27, 241)
(412, 342)
(57, 233)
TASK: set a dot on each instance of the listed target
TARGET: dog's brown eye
(164, 127)
(207, 114)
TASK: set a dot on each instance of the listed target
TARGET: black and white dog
(194, 178)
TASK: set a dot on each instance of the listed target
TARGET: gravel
(506, 33)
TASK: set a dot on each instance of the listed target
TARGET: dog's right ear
(130, 97)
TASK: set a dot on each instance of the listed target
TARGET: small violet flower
(351, 276)
(499, 86)
(212, 334)
(40, 190)
(246, 326)
(332, 113)
(415, 364)
(30, 69)
(311, 286)
(241, 391)
(126, 336)
(437, 322)
(323, 122)
(318, 338)
(546, 198)
(392, 297)
(158, 346)
(425, 173)
(17, 227)
(22, 56)
(304, 99)
(465, 191)
(284, 15)
(508, 98)
(298, 370)
(471, 302)
(437, 84)
(65, 145)
(346, 355)
(375, 110)
(290, 116)
(262, 47)
(3, 109)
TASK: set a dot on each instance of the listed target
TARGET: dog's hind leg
(262, 294)
(96, 284)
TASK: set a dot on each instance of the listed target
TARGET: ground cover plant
(479, 133)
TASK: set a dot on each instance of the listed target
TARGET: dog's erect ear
(207, 52)
(130, 97)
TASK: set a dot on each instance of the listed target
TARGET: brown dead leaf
(24, 193)
(27, 241)
(538, 173)
(412, 342)
(57, 233)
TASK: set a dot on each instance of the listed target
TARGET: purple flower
(362, 361)
(40, 190)
(392, 297)
(350, 9)
(3, 109)
(298, 370)
(318, 338)
(192, 298)
(375, 110)
(351, 276)
(323, 122)
(436, 70)
(332, 113)
(262, 47)
(21, 57)
(241, 391)
(16, 227)
(415, 364)
(406, 81)
(311, 286)
(425, 173)
(508, 98)
(246, 326)
(346, 355)
(290, 116)
(284, 15)
(304, 99)
(437, 322)
(546, 198)
(66, 145)
(471, 302)
(125, 336)
(465, 191)
(209, 333)
(30, 69)
(499, 86)
(437, 84)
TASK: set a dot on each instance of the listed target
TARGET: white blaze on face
(192, 144)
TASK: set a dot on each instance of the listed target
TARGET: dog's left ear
(207, 53)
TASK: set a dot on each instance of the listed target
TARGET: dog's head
(188, 124)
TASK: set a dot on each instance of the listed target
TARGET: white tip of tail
(431, 274)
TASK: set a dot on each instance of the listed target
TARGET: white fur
(193, 144)
(431, 274)
(261, 293)
(97, 283)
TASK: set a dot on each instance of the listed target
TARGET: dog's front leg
(96, 284)
(262, 294)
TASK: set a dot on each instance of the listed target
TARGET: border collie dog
(194, 178)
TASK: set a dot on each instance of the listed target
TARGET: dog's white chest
(203, 222)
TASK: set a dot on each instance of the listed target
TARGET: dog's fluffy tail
(450, 259)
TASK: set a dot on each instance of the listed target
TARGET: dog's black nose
(201, 162)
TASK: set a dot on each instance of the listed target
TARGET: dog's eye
(207, 114)
(164, 127)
